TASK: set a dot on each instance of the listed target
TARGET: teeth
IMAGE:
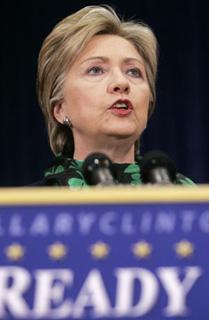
(121, 105)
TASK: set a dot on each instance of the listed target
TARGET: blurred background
(180, 123)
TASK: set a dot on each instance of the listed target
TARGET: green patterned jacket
(68, 172)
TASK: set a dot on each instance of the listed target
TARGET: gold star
(142, 249)
(184, 248)
(15, 251)
(57, 251)
(99, 250)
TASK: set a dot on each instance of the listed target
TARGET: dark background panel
(180, 124)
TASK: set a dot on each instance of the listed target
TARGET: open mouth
(122, 107)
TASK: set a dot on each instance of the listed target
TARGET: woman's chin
(123, 134)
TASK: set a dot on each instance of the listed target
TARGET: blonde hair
(65, 42)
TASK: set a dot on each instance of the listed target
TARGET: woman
(96, 87)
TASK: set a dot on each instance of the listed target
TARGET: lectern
(104, 253)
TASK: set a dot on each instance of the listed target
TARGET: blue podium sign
(125, 253)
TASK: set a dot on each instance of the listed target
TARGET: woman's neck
(119, 153)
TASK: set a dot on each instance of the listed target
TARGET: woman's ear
(58, 112)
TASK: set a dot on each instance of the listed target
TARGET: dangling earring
(67, 122)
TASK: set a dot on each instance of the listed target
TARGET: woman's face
(106, 92)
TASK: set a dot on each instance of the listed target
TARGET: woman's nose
(118, 84)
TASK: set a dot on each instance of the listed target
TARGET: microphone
(98, 170)
(157, 168)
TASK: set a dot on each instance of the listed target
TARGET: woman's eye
(134, 72)
(95, 70)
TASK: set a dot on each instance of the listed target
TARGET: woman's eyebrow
(132, 59)
(103, 59)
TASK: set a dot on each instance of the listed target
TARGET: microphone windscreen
(96, 167)
(155, 160)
